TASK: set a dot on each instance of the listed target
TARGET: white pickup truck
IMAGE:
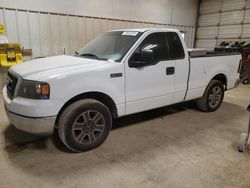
(121, 72)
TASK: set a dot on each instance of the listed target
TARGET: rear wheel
(245, 81)
(84, 125)
(212, 98)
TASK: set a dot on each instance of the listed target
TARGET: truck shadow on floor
(152, 114)
(167, 139)
(17, 140)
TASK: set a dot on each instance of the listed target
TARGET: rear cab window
(175, 46)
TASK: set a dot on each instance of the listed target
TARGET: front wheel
(84, 125)
(212, 98)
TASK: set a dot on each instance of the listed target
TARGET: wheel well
(101, 97)
(222, 78)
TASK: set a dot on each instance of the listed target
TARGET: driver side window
(154, 43)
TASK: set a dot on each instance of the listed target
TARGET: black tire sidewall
(213, 84)
(70, 141)
(245, 81)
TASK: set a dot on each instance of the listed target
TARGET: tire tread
(68, 113)
(202, 102)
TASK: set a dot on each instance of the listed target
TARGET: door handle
(170, 70)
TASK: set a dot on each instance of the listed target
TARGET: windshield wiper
(91, 55)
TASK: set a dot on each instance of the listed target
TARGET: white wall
(178, 12)
(39, 25)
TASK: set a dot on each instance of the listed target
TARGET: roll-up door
(222, 20)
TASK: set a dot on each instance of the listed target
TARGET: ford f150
(121, 72)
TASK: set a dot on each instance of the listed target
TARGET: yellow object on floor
(10, 54)
(2, 30)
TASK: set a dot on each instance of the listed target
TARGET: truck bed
(204, 68)
(214, 54)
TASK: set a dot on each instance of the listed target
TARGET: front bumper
(43, 125)
(33, 116)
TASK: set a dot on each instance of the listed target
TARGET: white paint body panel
(138, 89)
(70, 76)
(149, 87)
(203, 69)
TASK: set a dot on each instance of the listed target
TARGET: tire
(212, 97)
(245, 81)
(242, 142)
(84, 125)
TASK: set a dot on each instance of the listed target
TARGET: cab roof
(146, 29)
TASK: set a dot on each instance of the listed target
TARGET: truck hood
(54, 65)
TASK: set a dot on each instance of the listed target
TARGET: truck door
(150, 75)
(177, 53)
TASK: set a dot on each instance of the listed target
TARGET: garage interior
(174, 146)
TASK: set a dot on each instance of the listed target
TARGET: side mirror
(145, 57)
(248, 108)
(136, 60)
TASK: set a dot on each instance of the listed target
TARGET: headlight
(34, 90)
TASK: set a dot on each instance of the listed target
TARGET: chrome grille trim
(12, 81)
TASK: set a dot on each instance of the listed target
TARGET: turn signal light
(45, 89)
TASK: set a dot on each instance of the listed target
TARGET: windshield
(110, 46)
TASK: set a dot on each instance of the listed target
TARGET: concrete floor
(176, 146)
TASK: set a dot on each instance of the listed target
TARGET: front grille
(11, 83)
